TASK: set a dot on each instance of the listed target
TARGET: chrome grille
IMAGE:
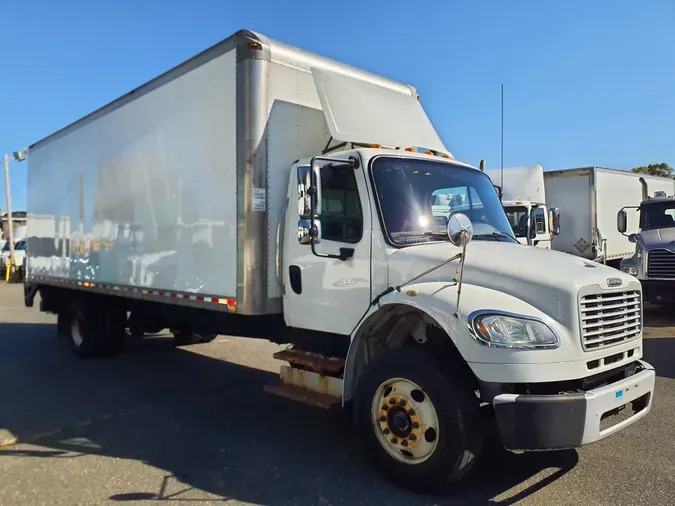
(661, 264)
(608, 319)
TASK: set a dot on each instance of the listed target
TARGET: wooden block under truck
(264, 191)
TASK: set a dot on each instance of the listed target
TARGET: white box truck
(264, 191)
(523, 196)
(589, 199)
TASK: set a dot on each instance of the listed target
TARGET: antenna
(502, 143)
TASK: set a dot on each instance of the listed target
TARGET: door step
(294, 393)
(315, 362)
(311, 378)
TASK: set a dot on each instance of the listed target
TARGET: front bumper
(554, 422)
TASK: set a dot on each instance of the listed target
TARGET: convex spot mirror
(459, 229)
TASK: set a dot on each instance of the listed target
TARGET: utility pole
(10, 232)
(502, 143)
(19, 156)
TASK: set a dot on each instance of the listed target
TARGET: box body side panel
(144, 195)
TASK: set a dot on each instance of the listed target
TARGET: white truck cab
(532, 223)
(524, 200)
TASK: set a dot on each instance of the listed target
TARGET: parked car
(19, 254)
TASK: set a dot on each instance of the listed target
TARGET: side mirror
(460, 229)
(632, 238)
(499, 191)
(554, 220)
(622, 221)
(533, 225)
(309, 192)
(306, 229)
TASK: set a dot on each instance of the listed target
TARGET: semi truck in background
(316, 182)
(653, 260)
(589, 199)
(524, 200)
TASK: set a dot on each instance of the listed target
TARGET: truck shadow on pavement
(660, 352)
(210, 428)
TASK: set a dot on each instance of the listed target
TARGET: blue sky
(586, 83)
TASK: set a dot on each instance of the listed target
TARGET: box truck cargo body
(261, 190)
(589, 199)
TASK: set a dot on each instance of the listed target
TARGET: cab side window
(540, 220)
(341, 215)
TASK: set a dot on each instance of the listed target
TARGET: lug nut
(415, 425)
(383, 419)
(404, 442)
(403, 402)
(386, 431)
(392, 401)
(413, 437)
(394, 440)
(385, 407)
(411, 412)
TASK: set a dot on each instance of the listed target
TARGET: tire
(95, 329)
(207, 338)
(184, 338)
(415, 392)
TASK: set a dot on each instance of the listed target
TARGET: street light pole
(10, 232)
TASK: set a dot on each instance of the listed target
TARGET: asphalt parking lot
(194, 425)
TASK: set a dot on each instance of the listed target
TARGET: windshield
(517, 217)
(6, 246)
(657, 215)
(417, 197)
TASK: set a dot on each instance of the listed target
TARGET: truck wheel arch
(392, 326)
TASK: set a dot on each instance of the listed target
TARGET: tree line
(656, 169)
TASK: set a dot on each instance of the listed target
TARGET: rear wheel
(93, 327)
(184, 338)
(420, 424)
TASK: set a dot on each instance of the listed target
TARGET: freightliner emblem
(613, 282)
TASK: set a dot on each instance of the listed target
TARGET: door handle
(295, 278)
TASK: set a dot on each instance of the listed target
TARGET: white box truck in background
(589, 199)
(524, 201)
(264, 191)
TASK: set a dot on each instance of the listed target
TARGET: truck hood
(658, 238)
(547, 280)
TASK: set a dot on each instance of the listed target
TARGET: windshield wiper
(438, 233)
(494, 235)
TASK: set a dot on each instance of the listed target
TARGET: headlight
(630, 270)
(511, 331)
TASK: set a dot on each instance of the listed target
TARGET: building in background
(18, 220)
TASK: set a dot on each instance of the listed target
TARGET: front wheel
(421, 424)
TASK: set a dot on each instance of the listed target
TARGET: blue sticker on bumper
(619, 396)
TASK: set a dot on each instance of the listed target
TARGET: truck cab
(524, 200)
(532, 223)
(653, 262)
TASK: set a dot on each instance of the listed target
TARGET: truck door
(540, 230)
(329, 294)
